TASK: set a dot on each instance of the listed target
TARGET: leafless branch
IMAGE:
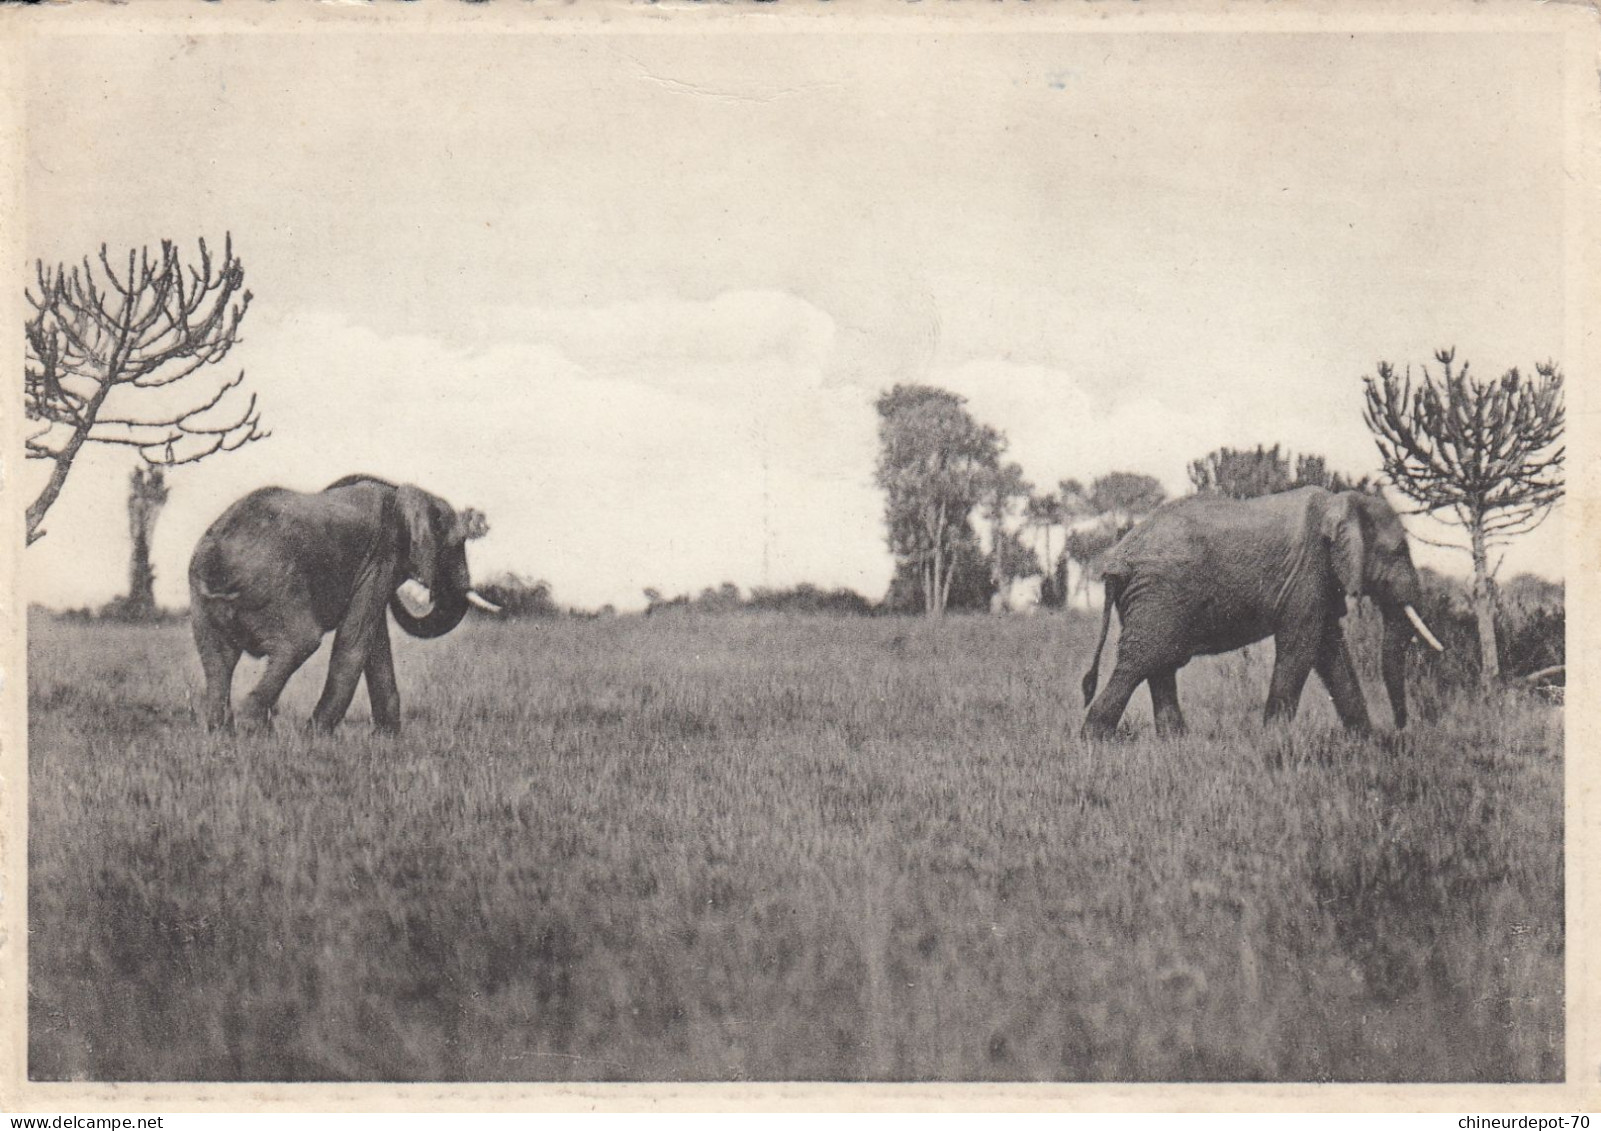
(100, 332)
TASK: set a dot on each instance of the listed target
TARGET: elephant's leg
(353, 643)
(1108, 707)
(218, 659)
(286, 651)
(1335, 669)
(345, 667)
(1165, 702)
(382, 689)
(1294, 651)
(1154, 642)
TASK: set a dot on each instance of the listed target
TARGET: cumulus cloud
(665, 442)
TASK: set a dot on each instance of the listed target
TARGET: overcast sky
(633, 296)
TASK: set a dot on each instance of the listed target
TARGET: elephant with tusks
(1204, 575)
(280, 569)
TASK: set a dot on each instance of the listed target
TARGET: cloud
(666, 442)
(731, 345)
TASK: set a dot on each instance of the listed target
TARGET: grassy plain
(762, 847)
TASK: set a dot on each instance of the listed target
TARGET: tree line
(1485, 456)
(118, 354)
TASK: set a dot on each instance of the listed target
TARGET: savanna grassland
(763, 847)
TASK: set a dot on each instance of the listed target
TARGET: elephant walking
(1206, 575)
(280, 569)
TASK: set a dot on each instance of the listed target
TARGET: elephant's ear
(416, 515)
(469, 524)
(1342, 529)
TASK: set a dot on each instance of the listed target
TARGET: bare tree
(1486, 454)
(108, 350)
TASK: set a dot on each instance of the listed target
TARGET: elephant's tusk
(1423, 629)
(415, 597)
(479, 602)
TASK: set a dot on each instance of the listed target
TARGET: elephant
(1204, 575)
(281, 568)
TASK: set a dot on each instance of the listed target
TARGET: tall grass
(779, 848)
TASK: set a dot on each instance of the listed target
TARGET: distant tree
(1105, 511)
(1125, 495)
(724, 599)
(1074, 497)
(1247, 474)
(969, 585)
(808, 598)
(1313, 471)
(936, 464)
(1020, 561)
(655, 602)
(1241, 474)
(1532, 590)
(147, 494)
(104, 356)
(1043, 513)
(1085, 545)
(520, 596)
(1486, 455)
(1009, 558)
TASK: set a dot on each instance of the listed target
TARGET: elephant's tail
(1092, 677)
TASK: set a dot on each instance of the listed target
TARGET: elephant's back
(263, 505)
(1210, 534)
(249, 536)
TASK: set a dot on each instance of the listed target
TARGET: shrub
(804, 598)
(808, 598)
(517, 596)
(1530, 627)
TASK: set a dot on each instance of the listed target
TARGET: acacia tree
(1125, 496)
(936, 463)
(1484, 454)
(110, 355)
(1116, 501)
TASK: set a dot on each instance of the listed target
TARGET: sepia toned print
(786, 447)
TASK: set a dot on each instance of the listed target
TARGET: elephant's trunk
(449, 606)
(1397, 633)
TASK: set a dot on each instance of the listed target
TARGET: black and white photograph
(767, 544)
